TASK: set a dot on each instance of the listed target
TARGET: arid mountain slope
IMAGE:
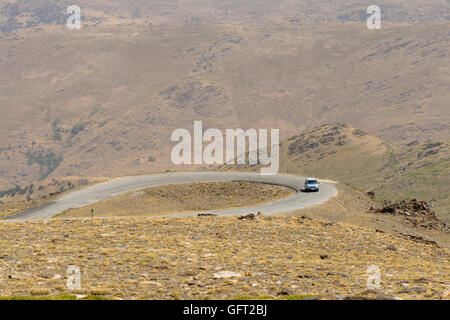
(353, 157)
(393, 172)
(103, 100)
(18, 14)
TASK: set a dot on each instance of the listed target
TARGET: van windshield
(311, 181)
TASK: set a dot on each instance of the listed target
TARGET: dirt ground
(216, 258)
(176, 198)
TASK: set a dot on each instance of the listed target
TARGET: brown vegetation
(216, 258)
(177, 198)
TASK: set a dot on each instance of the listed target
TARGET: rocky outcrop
(415, 212)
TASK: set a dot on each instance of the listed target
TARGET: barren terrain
(102, 101)
(71, 107)
(216, 258)
(367, 109)
(194, 197)
(395, 172)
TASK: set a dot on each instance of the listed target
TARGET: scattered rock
(413, 207)
(415, 212)
(354, 298)
(285, 292)
(326, 297)
(250, 216)
(421, 240)
(446, 295)
(207, 215)
(323, 256)
(377, 297)
(339, 274)
(414, 290)
(20, 275)
(227, 274)
(328, 224)
(371, 194)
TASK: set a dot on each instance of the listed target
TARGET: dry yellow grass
(189, 258)
(178, 198)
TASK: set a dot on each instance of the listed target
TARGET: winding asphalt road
(118, 186)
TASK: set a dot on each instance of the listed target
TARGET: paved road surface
(119, 186)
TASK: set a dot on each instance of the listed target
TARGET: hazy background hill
(102, 101)
(25, 13)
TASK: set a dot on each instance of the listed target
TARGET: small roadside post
(92, 213)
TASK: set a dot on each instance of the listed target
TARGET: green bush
(47, 160)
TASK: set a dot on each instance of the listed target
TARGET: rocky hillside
(103, 101)
(393, 172)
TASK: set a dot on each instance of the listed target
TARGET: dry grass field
(215, 258)
(195, 197)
